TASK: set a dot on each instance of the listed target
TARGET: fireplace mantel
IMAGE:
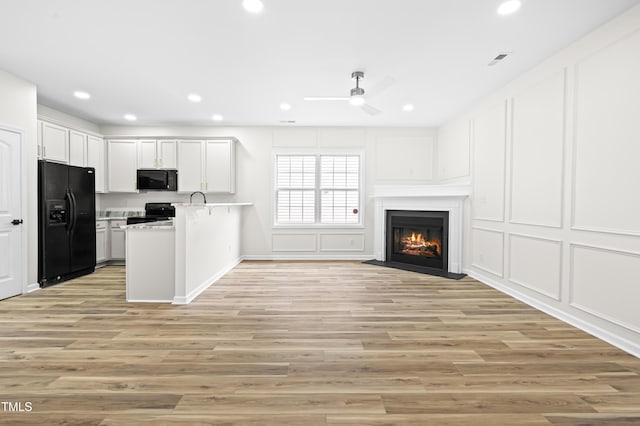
(448, 198)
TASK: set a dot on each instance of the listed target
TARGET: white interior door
(10, 211)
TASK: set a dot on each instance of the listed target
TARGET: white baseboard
(33, 287)
(148, 301)
(183, 300)
(620, 342)
(308, 257)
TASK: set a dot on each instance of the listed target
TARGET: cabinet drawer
(116, 224)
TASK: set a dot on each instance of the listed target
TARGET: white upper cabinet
(55, 142)
(221, 166)
(190, 166)
(122, 165)
(80, 149)
(77, 148)
(147, 154)
(159, 154)
(208, 166)
(166, 154)
(95, 159)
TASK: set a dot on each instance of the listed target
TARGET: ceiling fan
(356, 97)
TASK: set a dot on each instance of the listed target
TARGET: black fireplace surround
(418, 238)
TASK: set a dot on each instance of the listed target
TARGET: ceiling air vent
(499, 58)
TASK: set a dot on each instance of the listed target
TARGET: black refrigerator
(66, 222)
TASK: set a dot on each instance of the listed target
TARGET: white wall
(555, 211)
(70, 121)
(18, 111)
(400, 156)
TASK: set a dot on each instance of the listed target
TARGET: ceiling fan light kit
(356, 97)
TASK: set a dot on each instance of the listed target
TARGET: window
(318, 189)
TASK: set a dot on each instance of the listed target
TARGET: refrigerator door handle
(71, 221)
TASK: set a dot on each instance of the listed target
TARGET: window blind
(318, 189)
(340, 189)
(295, 189)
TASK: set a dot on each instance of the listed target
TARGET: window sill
(317, 226)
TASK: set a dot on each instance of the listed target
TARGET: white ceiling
(145, 56)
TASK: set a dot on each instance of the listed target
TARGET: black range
(154, 212)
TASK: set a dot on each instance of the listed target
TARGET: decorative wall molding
(572, 284)
(357, 235)
(484, 268)
(563, 137)
(555, 296)
(312, 235)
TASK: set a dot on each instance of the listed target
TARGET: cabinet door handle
(44, 151)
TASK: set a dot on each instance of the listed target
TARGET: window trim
(317, 153)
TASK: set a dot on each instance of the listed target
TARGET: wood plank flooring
(306, 343)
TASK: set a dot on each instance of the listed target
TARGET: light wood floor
(294, 343)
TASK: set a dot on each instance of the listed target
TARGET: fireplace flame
(416, 244)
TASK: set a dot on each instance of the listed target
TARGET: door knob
(16, 221)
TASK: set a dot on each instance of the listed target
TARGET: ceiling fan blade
(370, 110)
(381, 86)
(326, 98)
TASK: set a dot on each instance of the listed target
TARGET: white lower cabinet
(118, 239)
(102, 241)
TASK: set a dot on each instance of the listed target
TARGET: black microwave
(157, 180)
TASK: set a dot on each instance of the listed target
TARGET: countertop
(210, 204)
(160, 224)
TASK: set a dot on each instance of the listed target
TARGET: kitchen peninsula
(174, 261)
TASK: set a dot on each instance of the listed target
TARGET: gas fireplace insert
(418, 238)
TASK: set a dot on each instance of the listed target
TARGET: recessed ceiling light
(253, 6)
(509, 7)
(285, 107)
(407, 108)
(130, 117)
(193, 97)
(217, 117)
(81, 95)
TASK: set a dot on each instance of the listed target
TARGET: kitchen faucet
(197, 192)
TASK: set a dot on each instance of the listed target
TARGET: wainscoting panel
(606, 144)
(488, 250)
(536, 264)
(454, 150)
(488, 164)
(404, 159)
(341, 138)
(295, 138)
(537, 153)
(294, 242)
(604, 282)
(341, 242)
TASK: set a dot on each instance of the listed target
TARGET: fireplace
(418, 238)
(425, 203)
